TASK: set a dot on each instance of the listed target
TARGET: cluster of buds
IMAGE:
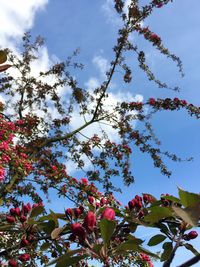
(10, 153)
(174, 104)
(81, 231)
(23, 258)
(135, 105)
(146, 258)
(160, 3)
(20, 215)
(137, 204)
(167, 103)
(149, 35)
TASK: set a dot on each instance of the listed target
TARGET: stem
(168, 262)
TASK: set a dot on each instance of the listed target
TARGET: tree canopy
(38, 138)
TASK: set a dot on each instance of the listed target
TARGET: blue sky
(92, 26)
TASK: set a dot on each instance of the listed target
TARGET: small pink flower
(84, 181)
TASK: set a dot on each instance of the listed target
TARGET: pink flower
(84, 181)
(2, 174)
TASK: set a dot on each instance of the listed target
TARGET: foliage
(35, 142)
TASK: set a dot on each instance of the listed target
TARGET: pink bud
(131, 204)
(22, 218)
(79, 231)
(91, 199)
(15, 211)
(84, 181)
(108, 214)
(192, 234)
(103, 201)
(24, 257)
(90, 221)
(24, 242)
(12, 263)
(77, 212)
(10, 219)
(26, 208)
(69, 212)
(152, 101)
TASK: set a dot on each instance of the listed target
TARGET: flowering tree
(35, 143)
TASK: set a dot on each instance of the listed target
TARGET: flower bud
(103, 201)
(10, 219)
(22, 218)
(69, 212)
(108, 214)
(131, 204)
(90, 199)
(90, 221)
(24, 257)
(15, 211)
(79, 231)
(26, 208)
(77, 212)
(24, 242)
(84, 181)
(12, 263)
(192, 234)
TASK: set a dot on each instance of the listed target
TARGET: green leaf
(157, 213)
(70, 261)
(3, 56)
(133, 245)
(189, 215)
(155, 240)
(172, 198)
(107, 228)
(168, 247)
(67, 259)
(47, 227)
(191, 248)
(188, 199)
(129, 245)
(146, 251)
(37, 211)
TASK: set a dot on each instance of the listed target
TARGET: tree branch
(191, 262)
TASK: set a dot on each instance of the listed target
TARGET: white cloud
(96, 128)
(16, 18)
(108, 9)
(92, 83)
(110, 13)
(102, 64)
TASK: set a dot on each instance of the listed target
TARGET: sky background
(92, 27)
